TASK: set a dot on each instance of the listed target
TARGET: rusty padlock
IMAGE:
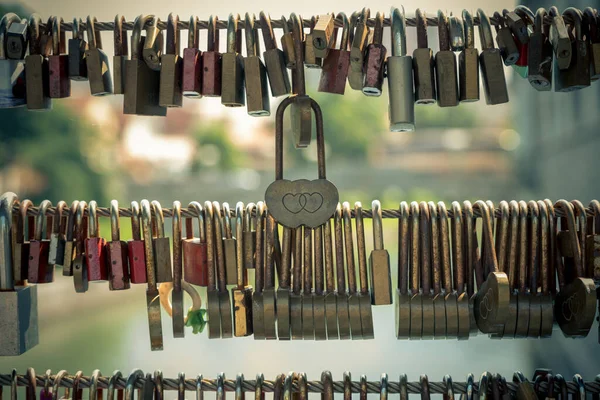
(95, 247)
(195, 269)
(135, 247)
(59, 84)
(69, 252)
(24, 233)
(40, 271)
(116, 251)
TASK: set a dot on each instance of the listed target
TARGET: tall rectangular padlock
(18, 305)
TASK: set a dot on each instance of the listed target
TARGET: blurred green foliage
(227, 156)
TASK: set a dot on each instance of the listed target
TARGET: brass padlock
(379, 262)
(229, 247)
(257, 87)
(161, 245)
(39, 270)
(274, 60)
(222, 294)
(353, 295)
(153, 45)
(311, 60)
(249, 237)
(590, 25)
(308, 325)
(287, 45)
(212, 307)
(97, 62)
(242, 293)
(258, 315)
(449, 300)
(577, 75)
(177, 293)
(283, 291)
(341, 295)
(80, 270)
(18, 305)
(171, 93)
(446, 77)
(24, 232)
(121, 55)
(36, 67)
(116, 253)
(403, 296)
(12, 71)
(560, 40)
(269, 307)
(459, 261)
(77, 47)
(490, 62)
(323, 35)
(468, 62)
(358, 47)
(423, 64)
(365, 297)
(232, 92)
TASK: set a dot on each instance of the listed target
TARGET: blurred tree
(16, 8)
(216, 148)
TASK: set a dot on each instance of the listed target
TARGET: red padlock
(39, 270)
(58, 64)
(21, 242)
(528, 17)
(192, 63)
(135, 247)
(211, 62)
(195, 250)
(116, 251)
(95, 247)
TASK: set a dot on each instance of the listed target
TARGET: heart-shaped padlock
(301, 202)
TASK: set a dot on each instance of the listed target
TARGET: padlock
(258, 315)
(310, 57)
(212, 306)
(330, 296)
(301, 115)
(353, 294)
(592, 243)
(177, 293)
(36, 68)
(212, 61)
(358, 47)
(560, 39)
(308, 323)
(18, 305)
(533, 274)
(135, 248)
(275, 64)
(403, 296)
(287, 45)
(142, 84)
(524, 387)
(121, 55)
(40, 271)
(472, 260)
(249, 237)
(195, 269)
(59, 85)
(520, 34)
(523, 300)
(57, 236)
(341, 295)
(459, 271)
(416, 299)
(229, 247)
(546, 259)
(69, 253)
(12, 71)
(323, 36)
(17, 37)
(257, 87)
(364, 294)
(171, 94)
(425, 247)
(423, 64)
(232, 92)
(336, 63)
(269, 300)
(577, 76)
(96, 59)
(379, 262)
(456, 32)
(222, 294)
(590, 27)
(192, 62)
(80, 269)
(77, 48)
(375, 61)
(506, 41)
(242, 293)
(116, 253)
(161, 245)
(468, 63)
(400, 77)
(490, 62)
(302, 202)
(446, 299)
(283, 290)
(152, 296)
(446, 76)
(95, 247)
(153, 45)
(539, 55)
(24, 232)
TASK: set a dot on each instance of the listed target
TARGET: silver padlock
(18, 305)
(12, 71)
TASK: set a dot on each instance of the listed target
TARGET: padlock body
(12, 83)
(118, 265)
(523, 54)
(232, 92)
(492, 76)
(335, 72)
(98, 72)
(192, 72)
(137, 261)
(401, 95)
(468, 73)
(36, 76)
(195, 270)
(57, 249)
(211, 74)
(59, 82)
(595, 61)
(119, 67)
(77, 63)
(508, 47)
(95, 251)
(446, 79)
(40, 271)
(68, 258)
(171, 94)
(21, 261)
(142, 89)
(19, 322)
(310, 57)
(575, 307)
(257, 87)
(381, 280)
(162, 259)
(374, 64)
(577, 76)
(249, 249)
(242, 307)
(289, 51)
(229, 248)
(16, 41)
(539, 61)
(277, 72)
(424, 76)
(301, 120)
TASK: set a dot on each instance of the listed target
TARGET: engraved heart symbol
(314, 201)
(294, 203)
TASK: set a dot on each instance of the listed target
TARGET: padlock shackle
(93, 225)
(415, 252)
(7, 202)
(534, 244)
(173, 35)
(227, 234)
(569, 216)
(298, 35)
(136, 35)
(590, 25)
(326, 381)
(79, 228)
(197, 207)
(58, 37)
(94, 36)
(378, 29)
(457, 34)
(443, 31)
(348, 247)
(77, 33)
(488, 247)
(252, 42)
(120, 37)
(469, 29)
(35, 36)
(259, 247)
(544, 244)
(219, 253)
(344, 39)
(526, 14)
(538, 25)
(267, 31)
(458, 261)
(248, 216)
(210, 247)
(158, 222)
(425, 246)
(193, 33)
(70, 228)
(383, 384)
(233, 44)
(177, 253)
(425, 391)
(115, 225)
(7, 20)
(513, 245)
(398, 32)
(502, 234)
(403, 248)
(447, 380)
(445, 247)
(22, 221)
(595, 227)
(485, 30)
(213, 34)
(421, 22)
(60, 375)
(377, 225)
(93, 390)
(147, 222)
(484, 383)
(132, 378)
(241, 275)
(58, 224)
(576, 21)
(136, 233)
(40, 219)
(279, 137)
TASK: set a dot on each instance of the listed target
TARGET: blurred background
(540, 145)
